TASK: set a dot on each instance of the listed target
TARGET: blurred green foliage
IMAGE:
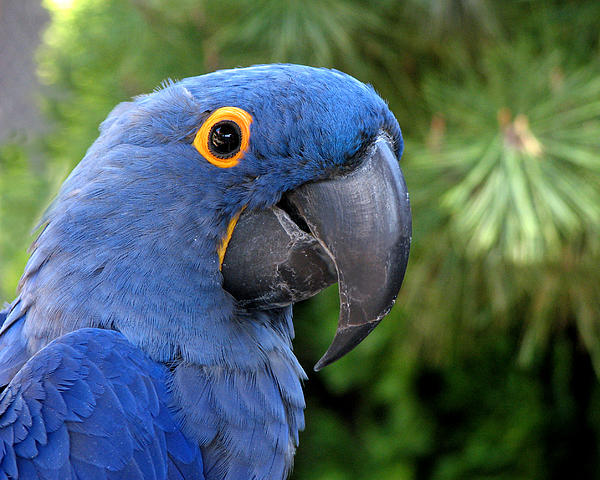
(23, 192)
(486, 368)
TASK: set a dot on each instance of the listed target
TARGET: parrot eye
(224, 137)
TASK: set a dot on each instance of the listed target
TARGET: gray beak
(354, 228)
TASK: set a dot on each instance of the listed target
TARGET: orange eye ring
(224, 137)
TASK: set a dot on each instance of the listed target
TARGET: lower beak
(354, 228)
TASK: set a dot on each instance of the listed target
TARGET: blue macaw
(152, 332)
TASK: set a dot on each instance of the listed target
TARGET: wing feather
(92, 406)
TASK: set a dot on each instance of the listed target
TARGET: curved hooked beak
(354, 228)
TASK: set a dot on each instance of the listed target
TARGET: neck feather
(246, 417)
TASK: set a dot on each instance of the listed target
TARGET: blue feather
(75, 404)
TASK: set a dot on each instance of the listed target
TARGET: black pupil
(225, 139)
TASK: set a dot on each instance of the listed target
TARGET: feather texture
(91, 406)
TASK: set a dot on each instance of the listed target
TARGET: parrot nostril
(288, 207)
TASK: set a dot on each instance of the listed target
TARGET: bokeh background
(487, 368)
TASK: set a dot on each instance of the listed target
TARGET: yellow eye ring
(224, 137)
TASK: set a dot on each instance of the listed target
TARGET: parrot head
(242, 190)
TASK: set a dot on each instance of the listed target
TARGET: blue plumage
(90, 405)
(123, 356)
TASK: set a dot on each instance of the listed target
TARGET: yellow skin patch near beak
(225, 241)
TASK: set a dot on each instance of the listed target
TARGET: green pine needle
(520, 155)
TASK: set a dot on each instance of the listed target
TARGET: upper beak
(354, 228)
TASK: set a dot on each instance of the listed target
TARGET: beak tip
(345, 339)
(319, 366)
